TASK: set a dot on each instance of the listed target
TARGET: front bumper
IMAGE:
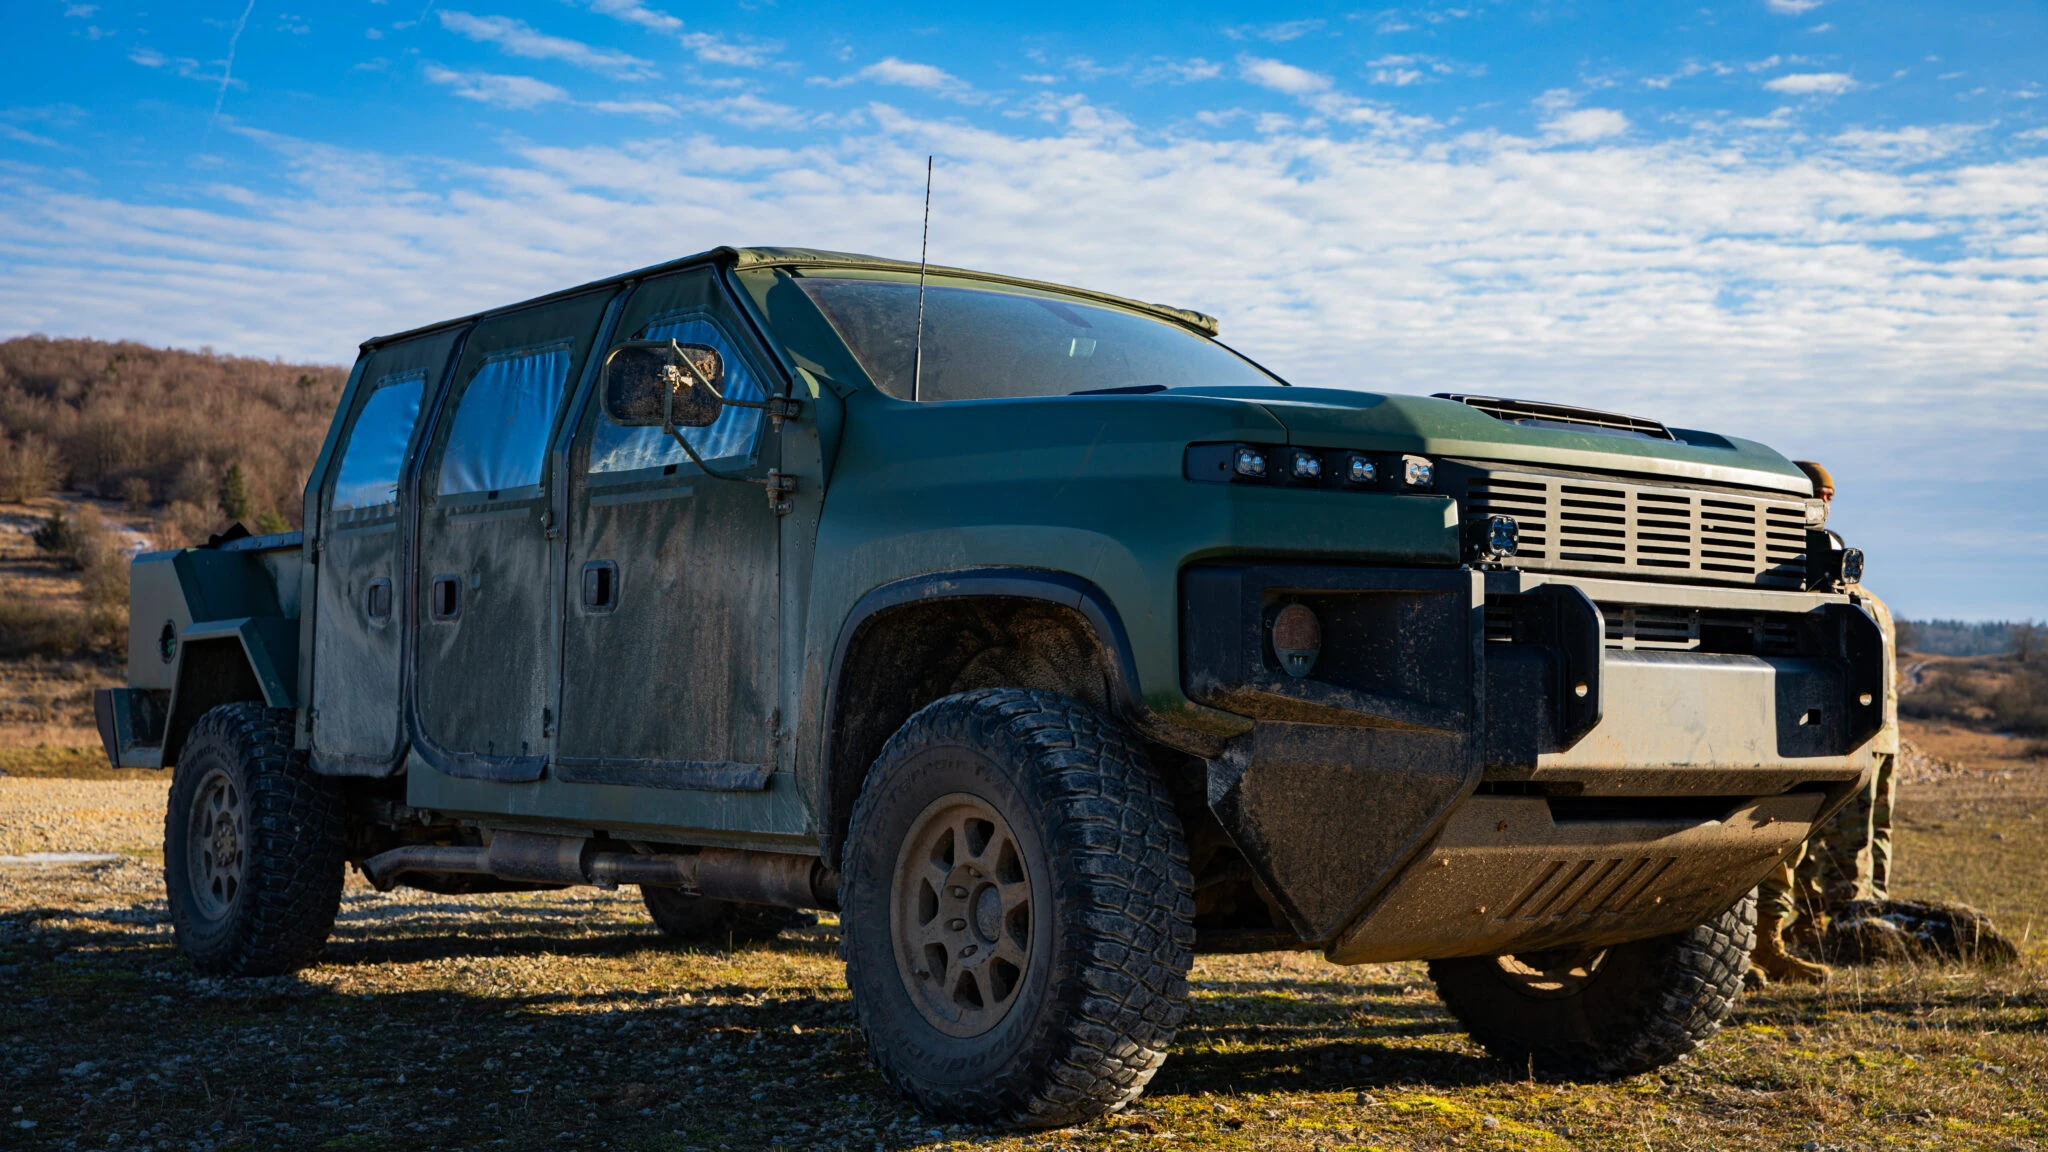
(1478, 740)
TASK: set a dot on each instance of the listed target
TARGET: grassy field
(561, 1020)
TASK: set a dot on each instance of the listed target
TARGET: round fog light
(1297, 639)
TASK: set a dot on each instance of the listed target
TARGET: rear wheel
(253, 845)
(716, 923)
(1017, 913)
(1603, 1013)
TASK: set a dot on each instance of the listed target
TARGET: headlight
(1288, 466)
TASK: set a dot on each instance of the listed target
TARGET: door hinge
(780, 485)
(782, 408)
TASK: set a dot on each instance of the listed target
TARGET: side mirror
(660, 383)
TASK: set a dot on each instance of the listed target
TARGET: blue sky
(1819, 224)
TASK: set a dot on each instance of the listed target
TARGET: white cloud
(634, 12)
(497, 90)
(517, 38)
(1585, 124)
(749, 111)
(1792, 7)
(909, 74)
(1282, 77)
(1812, 83)
(1914, 145)
(1890, 321)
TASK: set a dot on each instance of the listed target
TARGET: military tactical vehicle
(1039, 634)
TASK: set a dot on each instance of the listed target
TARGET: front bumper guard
(1355, 775)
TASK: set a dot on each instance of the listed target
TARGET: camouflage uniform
(1849, 857)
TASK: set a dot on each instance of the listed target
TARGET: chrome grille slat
(1572, 524)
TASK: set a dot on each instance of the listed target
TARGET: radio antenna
(923, 246)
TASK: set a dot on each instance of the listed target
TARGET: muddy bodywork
(659, 657)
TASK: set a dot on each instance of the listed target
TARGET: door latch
(780, 485)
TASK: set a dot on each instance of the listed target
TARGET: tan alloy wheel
(213, 858)
(961, 915)
(1553, 975)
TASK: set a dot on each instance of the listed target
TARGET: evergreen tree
(234, 494)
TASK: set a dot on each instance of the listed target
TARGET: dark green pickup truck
(1041, 636)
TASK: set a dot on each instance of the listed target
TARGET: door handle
(377, 601)
(600, 586)
(445, 600)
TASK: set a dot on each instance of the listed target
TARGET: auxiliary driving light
(1297, 639)
(1852, 565)
(1306, 466)
(1417, 472)
(1250, 462)
(1499, 537)
(1360, 469)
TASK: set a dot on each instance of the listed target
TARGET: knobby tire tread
(1698, 975)
(291, 885)
(1120, 972)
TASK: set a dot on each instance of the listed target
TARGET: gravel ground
(561, 1020)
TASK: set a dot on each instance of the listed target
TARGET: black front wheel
(253, 846)
(1603, 1013)
(1017, 912)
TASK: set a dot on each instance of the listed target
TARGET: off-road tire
(291, 846)
(1651, 1002)
(716, 924)
(1111, 934)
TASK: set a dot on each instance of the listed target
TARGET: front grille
(1597, 526)
(1667, 628)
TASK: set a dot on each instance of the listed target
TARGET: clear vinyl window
(618, 449)
(375, 455)
(499, 439)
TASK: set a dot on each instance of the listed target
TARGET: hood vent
(1536, 414)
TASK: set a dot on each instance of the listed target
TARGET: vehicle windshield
(982, 344)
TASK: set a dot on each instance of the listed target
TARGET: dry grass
(561, 1020)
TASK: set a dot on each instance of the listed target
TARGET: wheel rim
(215, 835)
(962, 914)
(1555, 974)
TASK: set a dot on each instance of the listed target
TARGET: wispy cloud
(1812, 83)
(518, 38)
(1320, 95)
(495, 89)
(910, 74)
(708, 47)
(1792, 7)
(1276, 33)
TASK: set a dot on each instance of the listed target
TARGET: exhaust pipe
(783, 879)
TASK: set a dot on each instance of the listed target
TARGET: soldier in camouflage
(1846, 859)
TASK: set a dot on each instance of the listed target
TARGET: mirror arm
(778, 484)
(778, 408)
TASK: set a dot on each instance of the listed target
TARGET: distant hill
(1963, 637)
(191, 436)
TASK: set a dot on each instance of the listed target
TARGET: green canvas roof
(811, 258)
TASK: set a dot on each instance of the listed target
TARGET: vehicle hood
(1376, 421)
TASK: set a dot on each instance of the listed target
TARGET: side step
(782, 879)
